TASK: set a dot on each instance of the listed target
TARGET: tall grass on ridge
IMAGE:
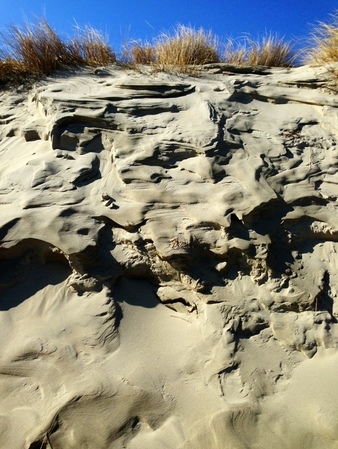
(269, 51)
(136, 52)
(36, 50)
(185, 47)
(91, 47)
(188, 47)
(324, 45)
(182, 48)
(11, 70)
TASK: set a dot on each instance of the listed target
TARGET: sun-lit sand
(169, 260)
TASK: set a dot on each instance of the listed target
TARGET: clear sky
(144, 19)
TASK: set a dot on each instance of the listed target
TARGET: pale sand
(169, 261)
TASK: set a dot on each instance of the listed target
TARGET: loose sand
(169, 261)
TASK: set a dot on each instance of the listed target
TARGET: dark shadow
(90, 175)
(67, 212)
(20, 279)
(4, 229)
(324, 301)
(42, 444)
(247, 97)
(136, 292)
(237, 228)
(240, 97)
(280, 253)
(45, 442)
(118, 314)
(67, 130)
(158, 90)
(143, 111)
(266, 218)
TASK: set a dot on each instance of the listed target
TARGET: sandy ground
(168, 261)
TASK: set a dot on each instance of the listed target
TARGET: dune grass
(33, 50)
(179, 50)
(36, 50)
(90, 47)
(269, 51)
(324, 43)
(140, 53)
(323, 49)
(185, 47)
(11, 70)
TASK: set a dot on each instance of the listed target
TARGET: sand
(169, 260)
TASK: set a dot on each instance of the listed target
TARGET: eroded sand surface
(169, 261)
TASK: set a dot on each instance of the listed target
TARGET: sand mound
(169, 261)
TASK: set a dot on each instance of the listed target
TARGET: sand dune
(169, 260)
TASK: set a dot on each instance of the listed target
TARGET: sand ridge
(169, 260)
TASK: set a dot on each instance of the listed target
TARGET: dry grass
(143, 54)
(36, 50)
(140, 53)
(10, 69)
(90, 47)
(324, 43)
(186, 47)
(269, 51)
(323, 50)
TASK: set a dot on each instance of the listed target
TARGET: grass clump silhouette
(185, 47)
(92, 48)
(139, 53)
(36, 50)
(323, 49)
(324, 43)
(269, 51)
(179, 50)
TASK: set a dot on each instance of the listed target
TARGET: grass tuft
(324, 43)
(143, 54)
(139, 53)
(269, 51)
(90, 47)
(186, 47)
(36, 50)
(11, 70)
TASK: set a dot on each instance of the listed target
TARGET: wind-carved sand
(169, 261)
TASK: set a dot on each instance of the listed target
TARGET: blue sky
(144, 19)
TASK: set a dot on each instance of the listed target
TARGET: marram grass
(324, 43)
(269, 51)
(36, 50)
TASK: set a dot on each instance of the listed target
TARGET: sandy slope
(168, 261)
